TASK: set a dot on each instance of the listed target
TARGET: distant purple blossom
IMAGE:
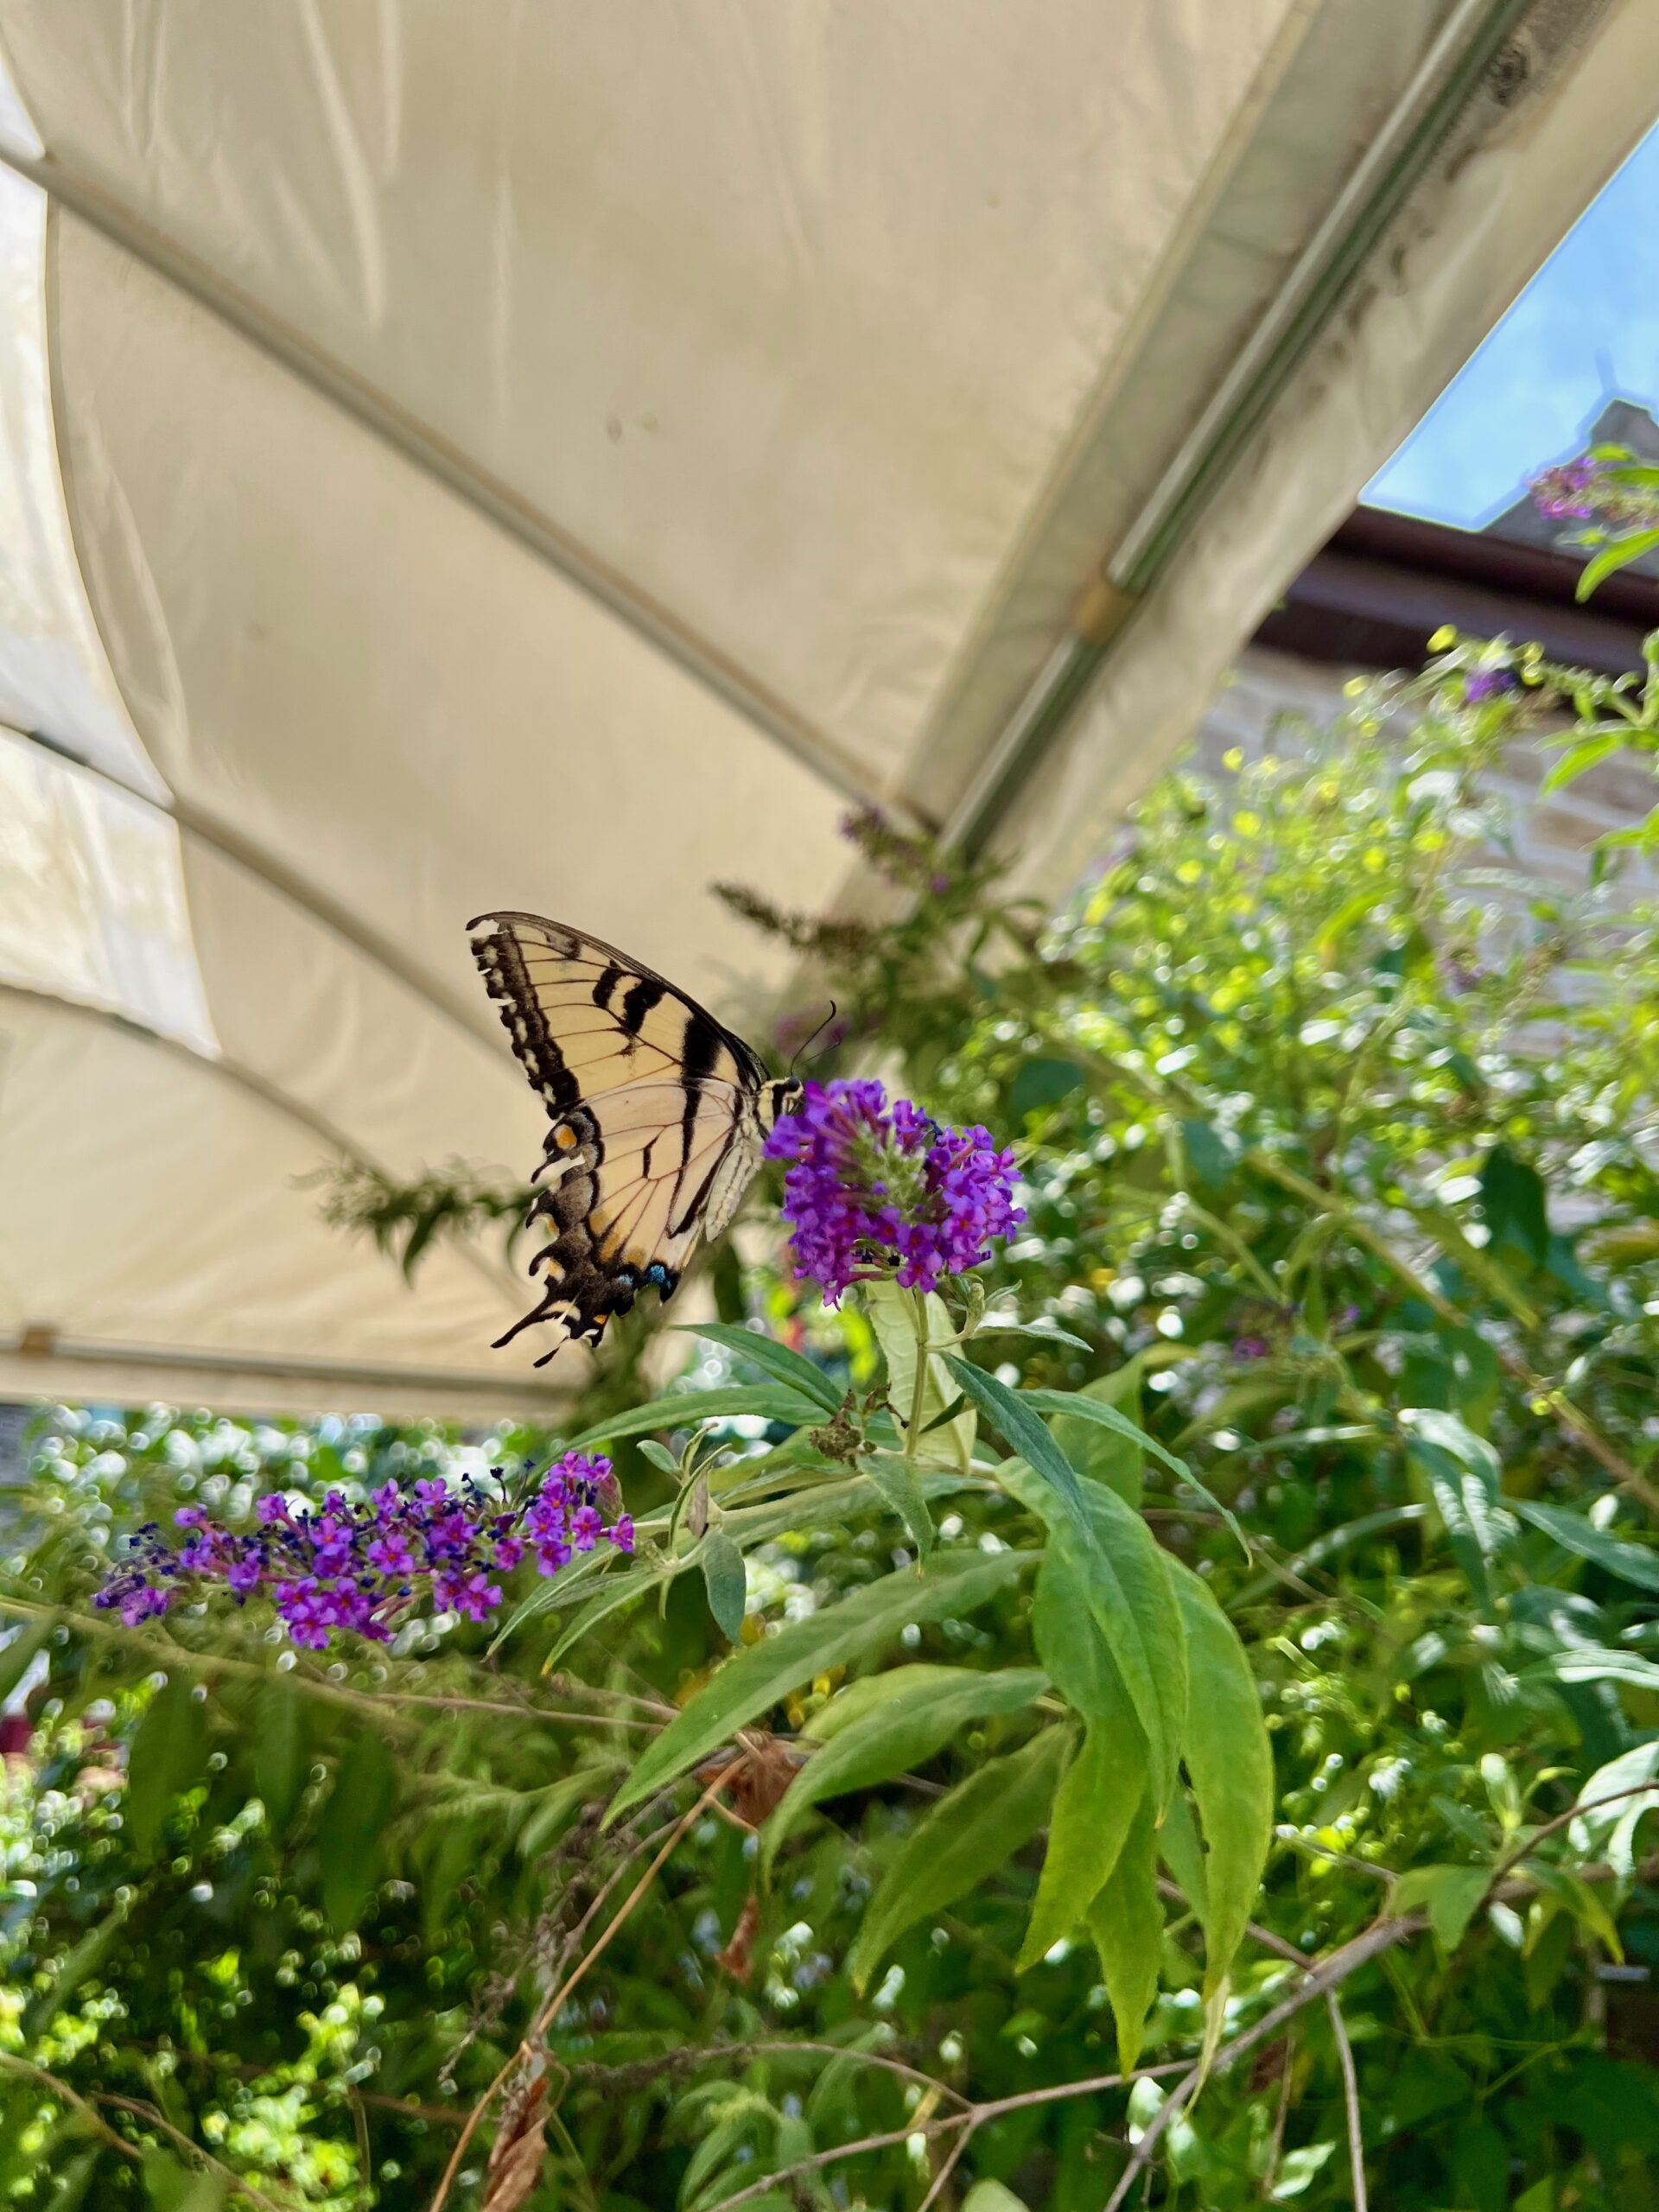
(1489, 684)
(1568, 492)
(872, 1185)
(1591, 490)
(363, 1567)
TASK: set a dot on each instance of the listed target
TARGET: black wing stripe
(639, 1002)
(503, 967)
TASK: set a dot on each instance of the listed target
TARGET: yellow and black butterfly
(660, 1116)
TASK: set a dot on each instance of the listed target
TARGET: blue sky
(1586, 329)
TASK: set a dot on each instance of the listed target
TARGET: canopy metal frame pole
(1444, 81)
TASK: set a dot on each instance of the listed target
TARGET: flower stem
(917, 1302)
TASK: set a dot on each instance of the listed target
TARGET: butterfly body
(658, 1115)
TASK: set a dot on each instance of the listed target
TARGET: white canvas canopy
(458, 453)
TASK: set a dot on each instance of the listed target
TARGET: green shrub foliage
(1177, 1712)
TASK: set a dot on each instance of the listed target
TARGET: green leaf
(280, 1763)
(614, 1592)
(1114, 1565)
(1298, 2168)
(967, 1834)
(349, 1834)
(1461, 1470)
(1229, 1756)
(893, 1317)
(1512, 1201)
(1101, 1451)
(790, 1368)
(726, 1582)
(1181, 1849)
(1041, 1084)
(1046, 1333)
(169, 1753)
(685, 1408)
(904, 1717)
(1578, 759)
(1586, 1905)
(1127, 1924)
(1449, 1895)
(895, 1480)
(1572, 1532)
(1094, 1808)
(1212, 1154)
(1619, 555)
(1071, 1644)
(1016, 1416)
(1586, 1664)
(1084, 1405)
(991, 2196)
(760, 1673)
(1608, 1818)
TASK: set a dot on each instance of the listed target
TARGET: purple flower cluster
(363, 1567)
(1565, 492)
(1489, 684)
(871, 1185)
(1589, 489)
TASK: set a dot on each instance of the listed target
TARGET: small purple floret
(354, 1568)
(1489, 684)
(874, 1187)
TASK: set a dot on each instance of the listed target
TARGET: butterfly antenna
(801, 1049)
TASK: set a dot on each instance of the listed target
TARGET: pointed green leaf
(279, 1755)
(726, 1582)
(1580, 757)
(906, 1715)
(1127, 1924)
(1015, 1413)
(760, 1673)
(1572, 1532)
(169, 1753)
(1461, 1470)
(1608, 1817)
(790, 1368)
(1081, 1405)
(349, 1847)
(1624, 549)
(1045, 1332)
(1182, 1851)
(892, 1313)
(685, 1408)
(1121, 1576)
(1101, 1450)
(991, 2196)
(896, 1481)
(1449, 1895)
(1228, 1755)
(1094, 1808)
(966, 1835)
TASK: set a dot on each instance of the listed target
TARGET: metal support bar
(1391, 166)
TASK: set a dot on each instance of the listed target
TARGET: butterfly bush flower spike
(875, 1187)
(365, 1567)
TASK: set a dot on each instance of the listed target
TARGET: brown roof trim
(1385, 582)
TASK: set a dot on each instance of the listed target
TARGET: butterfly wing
(659, 1115)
